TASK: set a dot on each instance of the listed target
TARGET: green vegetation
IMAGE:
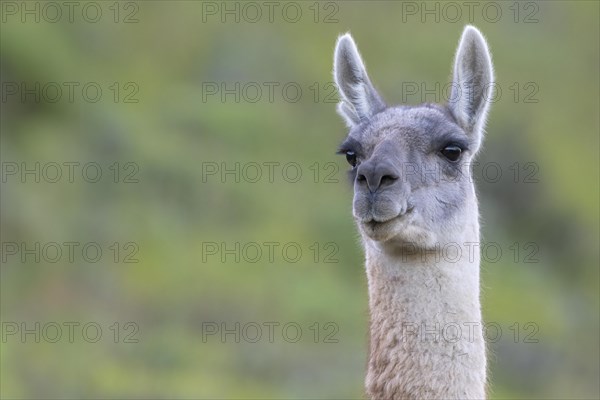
(168, 210)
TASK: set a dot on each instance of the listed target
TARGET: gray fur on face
(405, 189)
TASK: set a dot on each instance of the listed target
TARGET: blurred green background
(158, 64)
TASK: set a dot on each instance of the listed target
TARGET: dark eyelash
(459, 143)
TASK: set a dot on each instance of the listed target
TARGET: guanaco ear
(472, 84)
(359, 100)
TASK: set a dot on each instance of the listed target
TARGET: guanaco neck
(426, 339)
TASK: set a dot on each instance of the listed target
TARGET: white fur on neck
(412, 300)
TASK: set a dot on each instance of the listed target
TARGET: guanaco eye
(351, 158)
(451, 152)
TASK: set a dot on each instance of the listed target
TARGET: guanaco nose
(376, 175)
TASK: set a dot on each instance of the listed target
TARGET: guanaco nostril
(361, 178)
(388, 179)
